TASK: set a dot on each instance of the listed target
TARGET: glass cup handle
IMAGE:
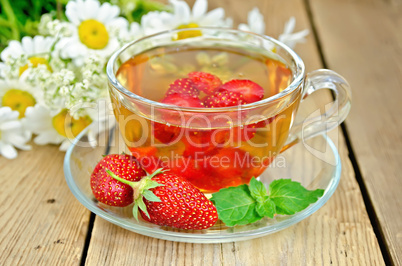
(336, 114)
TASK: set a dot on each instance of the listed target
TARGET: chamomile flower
(95, 30)
(289, 38)
(183, 17)
(255, 22)
(36, 50)
(101, 113)
(131, 33)
(52, 128)
(54, 27)
(18, 95)
(12, 134)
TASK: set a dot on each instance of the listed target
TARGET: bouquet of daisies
(53, 85)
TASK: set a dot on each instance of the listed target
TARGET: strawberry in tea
(210, 146)
(215, 108)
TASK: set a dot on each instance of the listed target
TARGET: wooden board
(41, 222)
(362, 40)
(339, 233)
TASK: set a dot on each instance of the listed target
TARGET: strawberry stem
(118, 178)
(141, 190)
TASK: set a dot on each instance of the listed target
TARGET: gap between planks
(366, 197)
(93, 215)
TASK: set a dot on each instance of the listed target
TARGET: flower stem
(11, 18)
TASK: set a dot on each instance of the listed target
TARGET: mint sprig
(247, 204)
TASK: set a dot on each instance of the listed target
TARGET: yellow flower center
(69, 127)
(93, 34)
(18, 100)
(35, 61)
(188, 33)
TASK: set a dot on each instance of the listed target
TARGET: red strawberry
(205, 82)
(183, 86)
(167, 199)
(110, 191)
(250, 90)
(177, 117)
(226, 169)
(199, 143)
(164, 133)
(182, 100)
(224, 99)
(193, 170)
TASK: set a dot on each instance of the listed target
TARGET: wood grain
(340, 233)
(41, 222)
(363, 41)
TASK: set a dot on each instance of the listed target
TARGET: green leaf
(291, 197)
(135, 211)
(142, 206)
(152, 184)
(235, 206)
(258, 190)
(266, 207)
(150, 196)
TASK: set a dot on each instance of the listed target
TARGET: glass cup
(214, 148)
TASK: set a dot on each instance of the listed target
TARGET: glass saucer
(315, 163)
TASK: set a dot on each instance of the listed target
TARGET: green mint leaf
(257, 190)
(266, 207)
(235, 206)
(291, 197)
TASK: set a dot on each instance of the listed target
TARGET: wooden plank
(41, 222)
(362, 40)
(339, 233)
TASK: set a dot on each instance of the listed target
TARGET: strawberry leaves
(141, 190)
(246, 204)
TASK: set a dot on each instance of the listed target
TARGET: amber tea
(205, 142)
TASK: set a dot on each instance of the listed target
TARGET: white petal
(181, 11)
(92, 138)
(244, 27)
(19, 142)
(37, 119)
(79, 61)
(154, 22)
(199, 9)
(37, 44)
(107, 12)
(43, 45)
(228, 22)
(120, 23)
(289, 26)
(10, 125)
(213, 17)
(6, 114)
(8, 151)
(65, 145)
(292, 39)
(256, 21)
(48, 137)
(28, 46)
(72, 12)
(13, 49)
(76, 49)
(91, 9)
